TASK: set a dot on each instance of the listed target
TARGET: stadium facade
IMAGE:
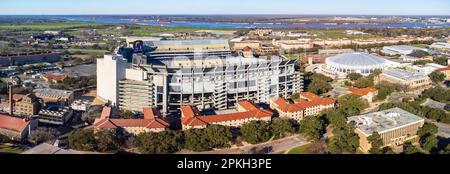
(204, 79)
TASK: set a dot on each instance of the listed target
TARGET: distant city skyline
(191, 7)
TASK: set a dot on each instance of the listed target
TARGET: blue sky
(375, 7)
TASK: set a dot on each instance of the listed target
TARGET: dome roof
(356, 59)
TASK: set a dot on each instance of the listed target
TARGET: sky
(332, 7)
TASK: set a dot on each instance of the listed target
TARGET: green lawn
(7, 148)
(300, 149)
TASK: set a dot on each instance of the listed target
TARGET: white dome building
(340, 65)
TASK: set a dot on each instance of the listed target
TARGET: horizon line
(229, 14)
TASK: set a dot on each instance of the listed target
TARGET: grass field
(7, 148)
(300, 149)
(339, 34)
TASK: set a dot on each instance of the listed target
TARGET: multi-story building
(441, 47)
(110, 70)
(16, 128)
(48, 95)
(425, 69)
(150, 123)
(28, 58)
(27, 105)
(213, 82)
(395, 127)
(308, 104)
(246, 111)
(55, 115)
(445, 71)
(400, 49)
(410, 81)
(367, 94)
(288, 45)
(239, 45)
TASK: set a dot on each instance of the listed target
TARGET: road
(443, 129)
(283, 144)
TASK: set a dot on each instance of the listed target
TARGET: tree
(345, 140)
(441, 60)
(387, 150)
(4, 139)
(195, 140)
(351, 104)
(438, 93)
(281, 128)
(82, 139)
(354, 76)
(295, 96)
(384, 90)
(376, 142)
(318, 83)
(43, 135)
(209, 138)
(409, 148)
(312, 127)
(218, 136)
(437, 76)
(108, 140)
(256, 132)
(427, 129)
(430, 143)
(363, 82)
(160, 142)
(319, 87)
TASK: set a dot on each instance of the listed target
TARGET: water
(252, 25)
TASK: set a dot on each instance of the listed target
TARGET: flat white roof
(384, 120)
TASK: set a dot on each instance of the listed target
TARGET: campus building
(48, 95)
(445, 71)
(16, 128)
(28, 58)
(308, 104)
(410, 81)
(368, 94)
(152, 122)
(246, 111)
(395, 127)
(214, 82)
(55, 115)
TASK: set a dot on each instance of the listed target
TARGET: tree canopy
(82, 139)
(354, 76)
(437, 76)
(312, 127)
(281, 128)
(376, 143)
(160, 143)
(256, 132)
(351, 105)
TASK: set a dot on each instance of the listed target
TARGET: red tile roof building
(308, 104)
(248, 111)
(16, 128)
(366, 93)
(446, 72)
(151, 122)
